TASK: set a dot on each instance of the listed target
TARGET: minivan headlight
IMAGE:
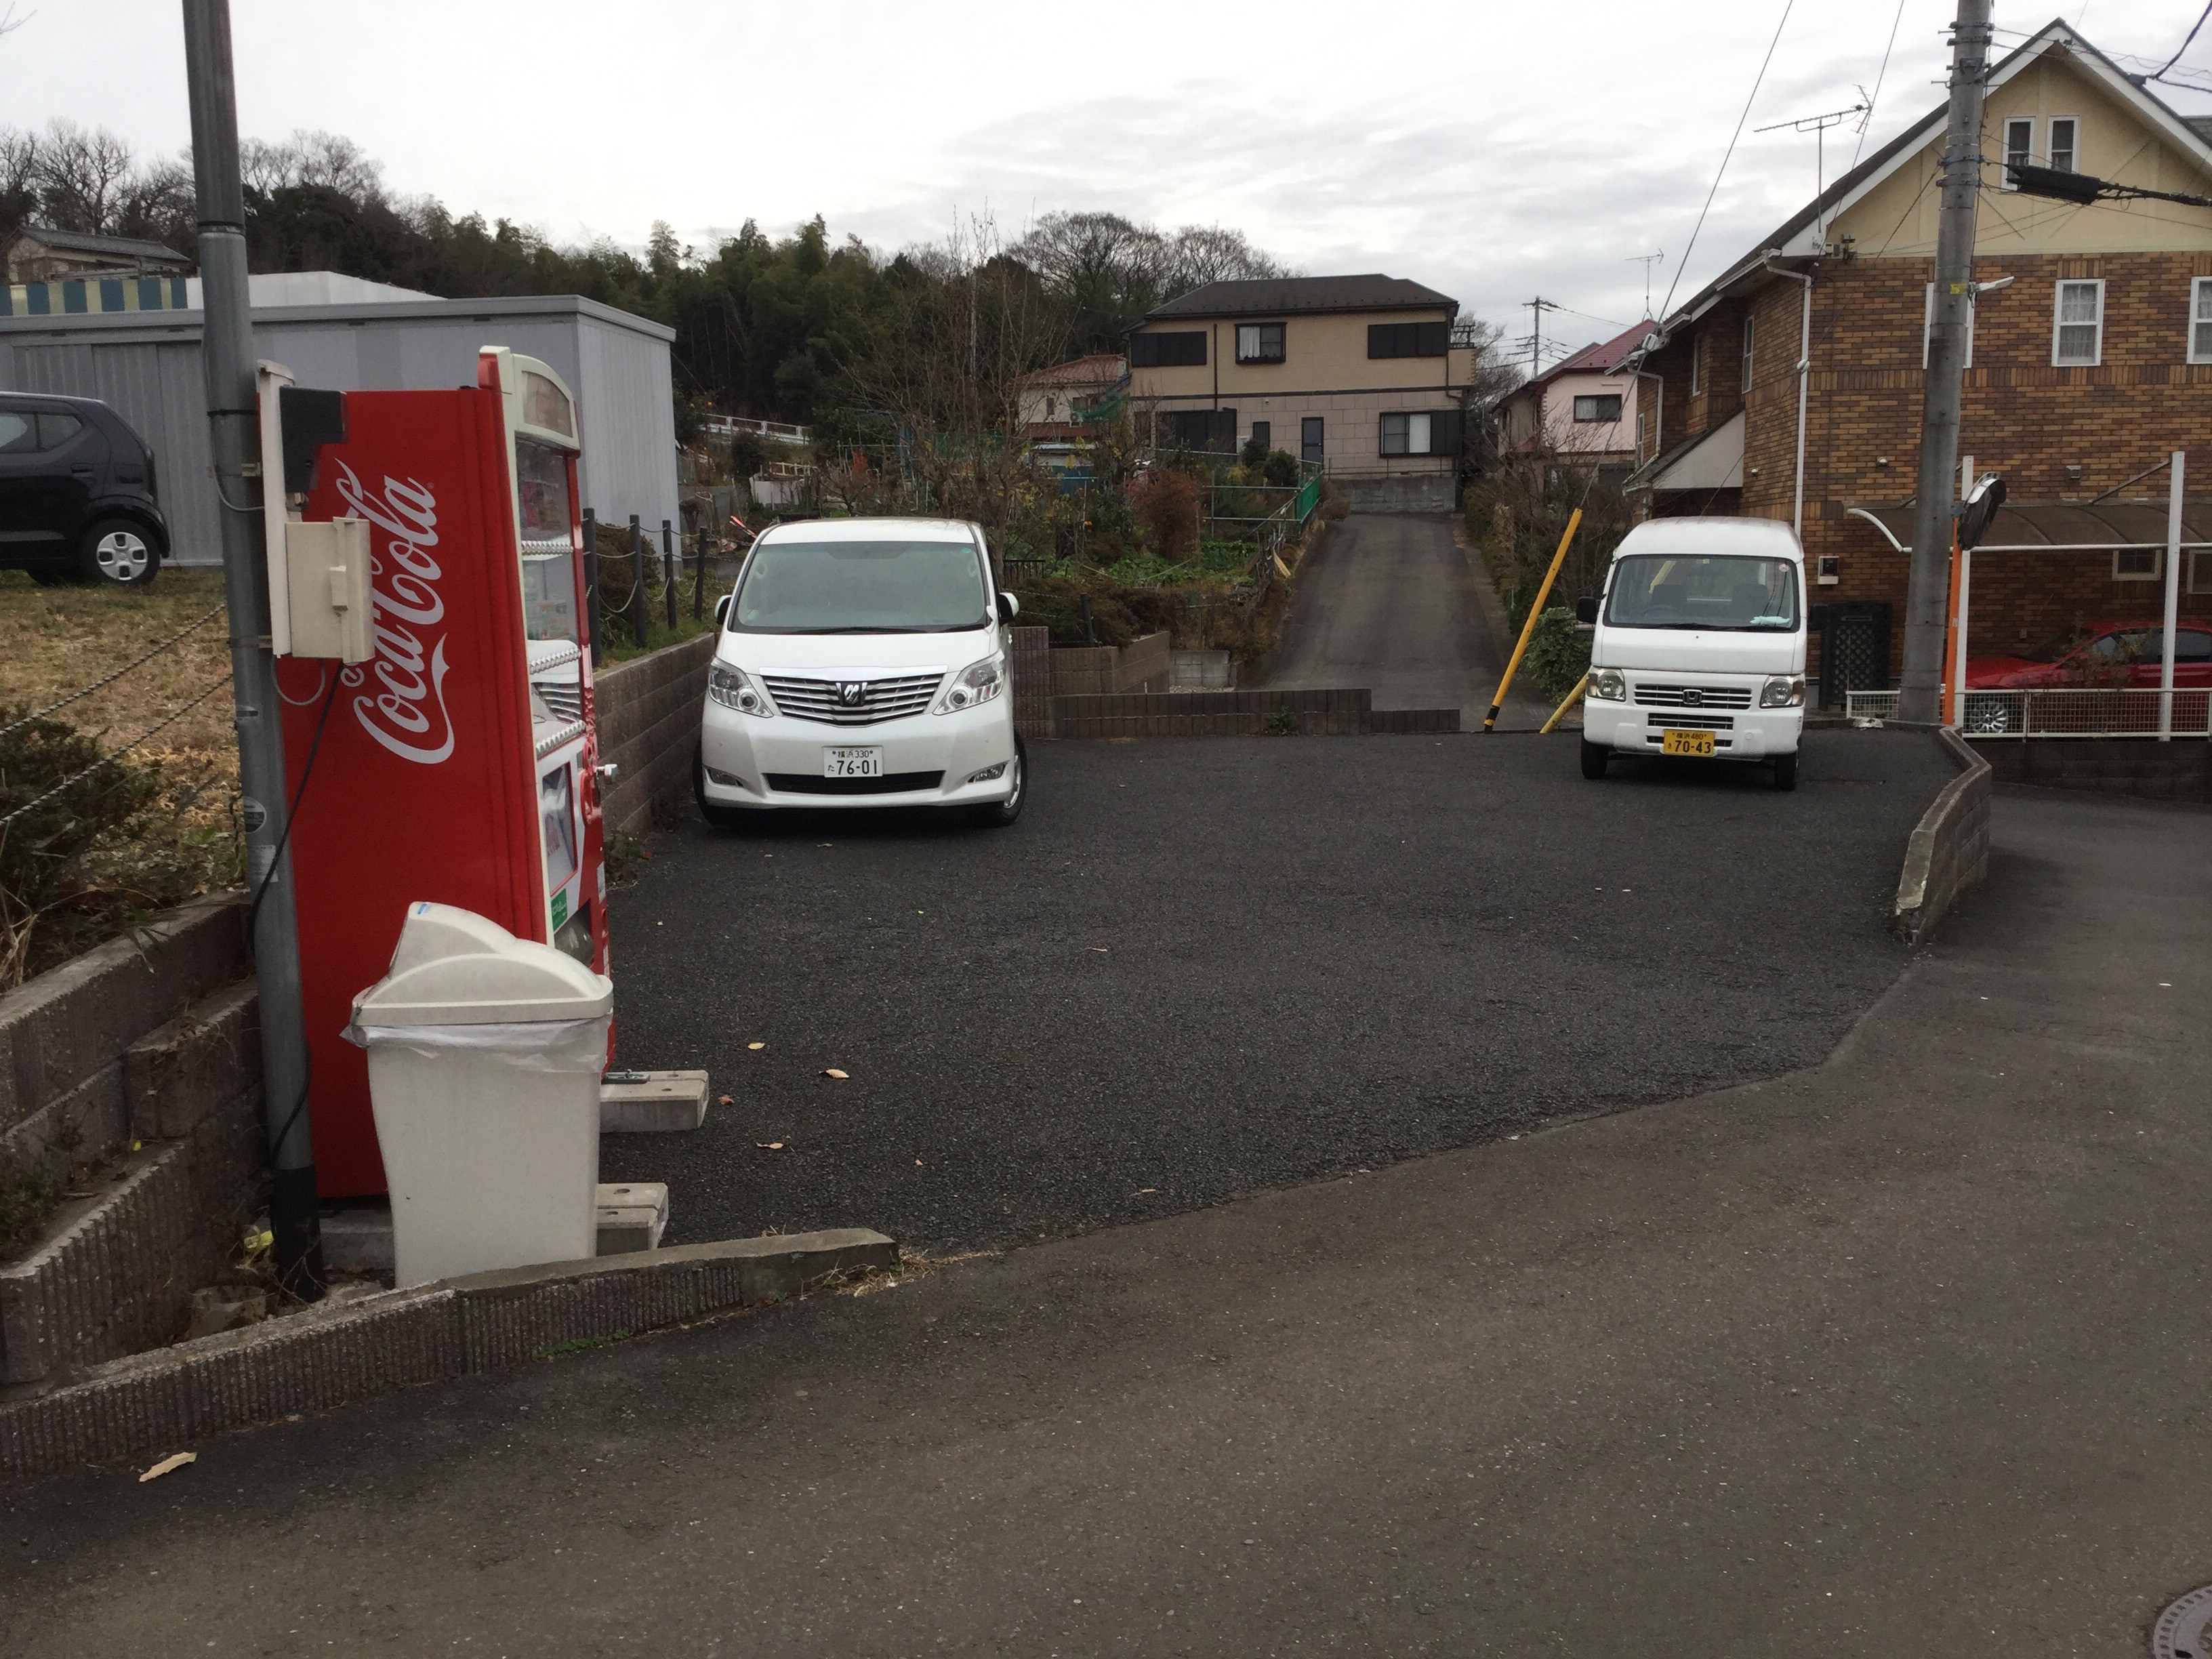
(979, 682)
(733, 688)
(1783, 691)
(1607, 685)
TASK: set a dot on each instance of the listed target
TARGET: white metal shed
(146, 364)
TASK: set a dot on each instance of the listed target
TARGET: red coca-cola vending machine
(456, 762)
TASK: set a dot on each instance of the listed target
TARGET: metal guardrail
(2061, 711)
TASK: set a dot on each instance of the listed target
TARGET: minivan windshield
(1736, 594)
(860, 587)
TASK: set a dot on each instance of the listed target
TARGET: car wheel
(1989, 715)
(118, 553)
(1594, 755)
(722, 817)
(1785, 771)
(999, 813)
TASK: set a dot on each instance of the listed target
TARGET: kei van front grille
(892, 783)
(1694, 697)
(854, 703)
(1693, 722)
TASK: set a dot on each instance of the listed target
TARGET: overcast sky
(1493, 151)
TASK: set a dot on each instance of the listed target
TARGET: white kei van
(1700, 646)
(863, 663)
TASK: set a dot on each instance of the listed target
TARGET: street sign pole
(234, 424)
(1929, 587)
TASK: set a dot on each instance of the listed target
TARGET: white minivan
(1700, 646)
(862, 663)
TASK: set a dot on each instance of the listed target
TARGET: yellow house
(1355, 374)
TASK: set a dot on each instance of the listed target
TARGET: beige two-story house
(1355, 374)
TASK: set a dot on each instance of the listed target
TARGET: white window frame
(1426, 429)
(2051, 146)
(1582, 397)
(1698, 364)
(2026, 152)
(1258, 348)
(2200, 316)
(2156, 573)
(1927, 327)
(1750, 351)
(2057, 308)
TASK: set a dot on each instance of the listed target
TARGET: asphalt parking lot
(1205, 967)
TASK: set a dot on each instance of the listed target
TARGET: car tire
(718, 816)
(1785, 771)
(118, 553)
(1991, 716)
(1594, 755)
(997, 814)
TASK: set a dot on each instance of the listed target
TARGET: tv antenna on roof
(1647, 260)
(1817, 125)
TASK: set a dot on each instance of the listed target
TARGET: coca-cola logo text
(405, 709)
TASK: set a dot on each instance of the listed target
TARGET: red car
(2121, 655)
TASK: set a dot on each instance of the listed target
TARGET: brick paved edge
(1949, 849)
(166, 1399)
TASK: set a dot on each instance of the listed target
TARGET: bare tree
(1198, 254)
(323, 161)
(80, 172)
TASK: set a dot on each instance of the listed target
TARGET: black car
(77, 501)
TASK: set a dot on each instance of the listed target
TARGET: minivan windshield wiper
(954, 628)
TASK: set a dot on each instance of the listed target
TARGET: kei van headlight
(1783, 691)
(733, 688)
(1605, 686)
(979, 682)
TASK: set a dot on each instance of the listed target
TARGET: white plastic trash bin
(484, 1056)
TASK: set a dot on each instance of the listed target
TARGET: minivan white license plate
(852, 762)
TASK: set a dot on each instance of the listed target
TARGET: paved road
(1390, 602)
(1901, 1354)
(1201, 969)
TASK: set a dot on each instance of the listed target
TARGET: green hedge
(1558, 654)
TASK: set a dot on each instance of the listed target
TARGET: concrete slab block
(357, 1239)
(195, 1064)
(632, 1216)
(663, 1102)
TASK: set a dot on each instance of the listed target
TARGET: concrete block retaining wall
(1431, 492)
(647, 711)
(2142, 767)
(1949, 849)
(1240, 713)
(1145, 664)
(1031, 671)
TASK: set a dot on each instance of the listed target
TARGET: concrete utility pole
(233, 423)
(1929, 589)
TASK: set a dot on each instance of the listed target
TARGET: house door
(1309, 439)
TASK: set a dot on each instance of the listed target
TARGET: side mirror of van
(722, 612)
(1586, 608)
(1009, 606)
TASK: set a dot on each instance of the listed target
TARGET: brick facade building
(2086, 370)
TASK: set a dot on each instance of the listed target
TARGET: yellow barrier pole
(1490, 720)
(1573, 697)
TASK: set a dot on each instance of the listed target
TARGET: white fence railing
(2061, 711)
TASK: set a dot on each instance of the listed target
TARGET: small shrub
(1166, 504)
(1558, 654)
(1280, 468)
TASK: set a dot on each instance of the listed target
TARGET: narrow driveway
(1392, 603)
(1195, 969)
(1900, 1354)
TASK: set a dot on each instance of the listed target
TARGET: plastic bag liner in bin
(484, 1056)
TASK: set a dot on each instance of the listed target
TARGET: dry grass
(53, 640)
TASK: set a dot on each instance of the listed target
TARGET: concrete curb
(1949, 850)
(332, 1356)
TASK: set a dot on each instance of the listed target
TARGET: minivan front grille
(891, 783)
(1694, 697)
(1692, 722)
(854, 703)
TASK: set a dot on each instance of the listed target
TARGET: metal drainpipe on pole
(2173, 600)
(1924, 618)
(1804, 373)
(668, 570)
(234, 425)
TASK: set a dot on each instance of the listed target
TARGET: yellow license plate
(1673, 742)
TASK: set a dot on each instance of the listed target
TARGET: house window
(1928, 327)
(1603, 406)
(2077, 324)
(1182, 349)
(1213, 429)
(1750, 353)
(1408, 339)
(2200, 571)
(2063, 156)
(2138, 564)
(1309, 439)
(1697, 366)
(2200, 320)
(1427, 433)
(2020, 147)
(1258, 343)
(1050, 404)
